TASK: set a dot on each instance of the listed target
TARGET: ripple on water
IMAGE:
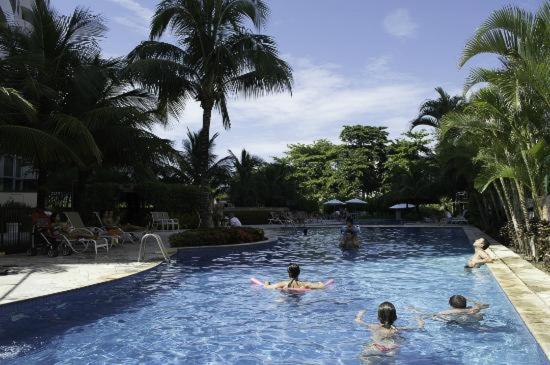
(203, 310)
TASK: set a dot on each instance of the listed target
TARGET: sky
(354, 62)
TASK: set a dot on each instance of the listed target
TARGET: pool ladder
(158, 240)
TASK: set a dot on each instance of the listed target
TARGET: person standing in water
(294, 282)
(383, 334)
(350, 236)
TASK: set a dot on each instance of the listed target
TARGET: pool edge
(513, 275)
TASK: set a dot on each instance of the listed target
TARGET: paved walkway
(36, 276)
(527, 287)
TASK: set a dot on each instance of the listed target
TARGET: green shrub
(216, 236)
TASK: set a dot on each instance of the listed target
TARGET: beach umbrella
(333, 202)
(399, 207)
(356, 201)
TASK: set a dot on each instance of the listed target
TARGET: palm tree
(189, 170)
(521, 41)
(243, 185)
(119, 118)
(216, 56)
(39, 63)
(432, 110)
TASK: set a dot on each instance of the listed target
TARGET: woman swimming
(383, 334)
(294, 283)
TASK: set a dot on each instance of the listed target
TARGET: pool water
(203, 309)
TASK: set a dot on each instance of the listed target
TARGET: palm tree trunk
(532, 182)
(205, 212)
(510, 206)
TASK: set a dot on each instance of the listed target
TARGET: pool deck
(39, 276)
(527, 287)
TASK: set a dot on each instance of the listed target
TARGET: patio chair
(79, 245)
(92, 235)
(459, 219)
(275, 218)
(125, 236)
(287, 218)
(162, 219)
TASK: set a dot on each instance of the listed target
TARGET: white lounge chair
(125, 236)
(77, 224)
(163, 220)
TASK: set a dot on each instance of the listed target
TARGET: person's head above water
(481, 243)
(349, 222)
(457, 301)
(387, 314)
(293, 271)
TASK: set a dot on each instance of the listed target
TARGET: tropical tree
(431, 111)
(39, 63)
(188, 164)
(242, 190)
(119, 118)
(217, 55)
(508, 118)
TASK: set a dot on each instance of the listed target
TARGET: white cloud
(139, 17)
(324, 99)
(399, 23)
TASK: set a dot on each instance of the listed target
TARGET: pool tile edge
(526, 287)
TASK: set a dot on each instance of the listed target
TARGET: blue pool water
(203, 309)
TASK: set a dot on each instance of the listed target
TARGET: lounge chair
(91, 235)
(162, 219)
(275, 218)
(459, 220)
(125, 236)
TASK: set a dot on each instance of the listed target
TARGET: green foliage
(172, 198)
(216, 236)
(209, 63)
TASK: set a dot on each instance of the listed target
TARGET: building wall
(16, 176)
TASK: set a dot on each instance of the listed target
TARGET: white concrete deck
(41, 275)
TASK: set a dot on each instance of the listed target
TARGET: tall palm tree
(39, 63)
(216, 56)
(431, 111)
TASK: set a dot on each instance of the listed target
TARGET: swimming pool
(203, 309)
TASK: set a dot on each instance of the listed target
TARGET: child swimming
(460, 312)
(294, 283)
(480, 257)
(383, 334)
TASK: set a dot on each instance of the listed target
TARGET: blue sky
(354, 61)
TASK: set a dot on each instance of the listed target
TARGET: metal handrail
(158, 239)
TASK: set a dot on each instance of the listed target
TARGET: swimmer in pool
(294, 283)
(480, 256)
(350, 236)
(383, 334)
(460, 312)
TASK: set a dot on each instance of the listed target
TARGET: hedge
(216, 236)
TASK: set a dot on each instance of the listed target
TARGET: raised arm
(484, 256)
(318, 285)
(278, 285)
